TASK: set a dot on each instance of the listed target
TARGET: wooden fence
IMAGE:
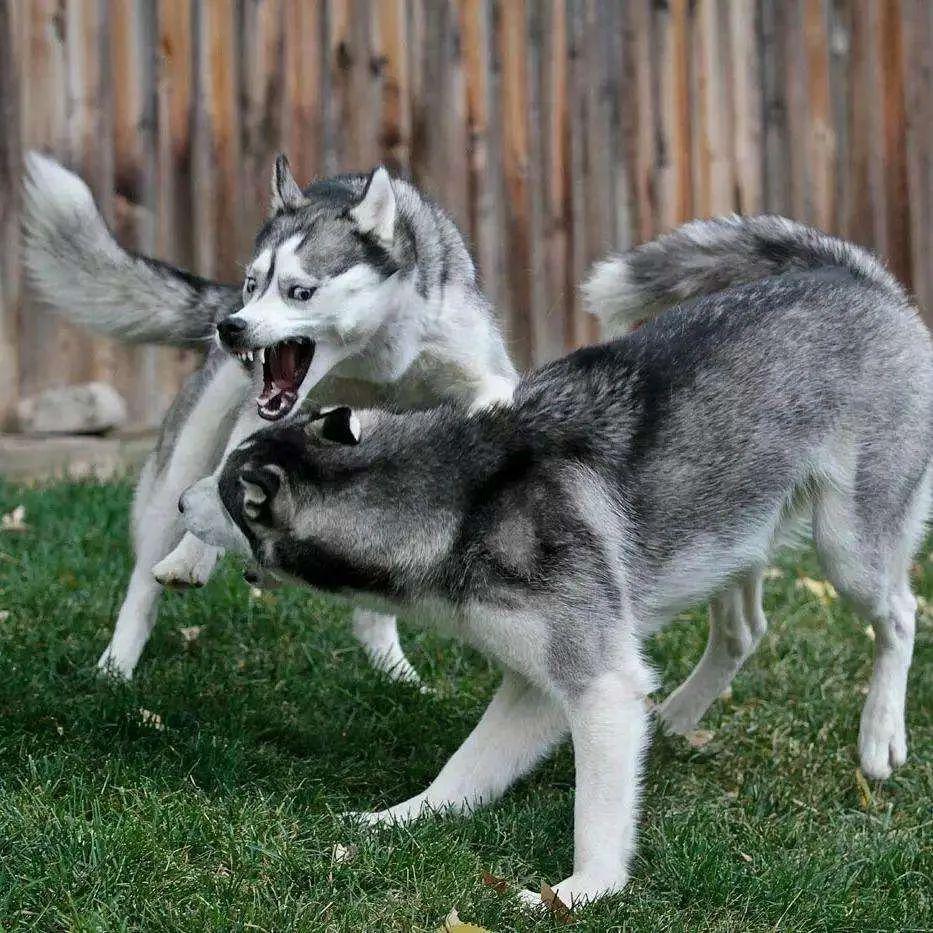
(554, 131)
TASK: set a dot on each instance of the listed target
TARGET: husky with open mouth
(359, 288)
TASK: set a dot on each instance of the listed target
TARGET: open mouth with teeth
(284, 367)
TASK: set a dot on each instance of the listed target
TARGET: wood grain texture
(553, 130)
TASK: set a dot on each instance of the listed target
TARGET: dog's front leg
(192, 562)
(520, 725)
(378, 634)
(609, 724)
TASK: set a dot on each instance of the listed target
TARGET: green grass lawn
(273, 723)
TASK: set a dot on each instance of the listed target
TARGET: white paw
(680, 713)
(573, 892)
(113, 665)
(882, 740)
(401, 672)
(180, 572)
(366, 818)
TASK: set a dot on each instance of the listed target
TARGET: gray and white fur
(359, 289)
(697, 259)
(625, 483)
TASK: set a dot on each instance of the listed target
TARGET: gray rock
(92, 408)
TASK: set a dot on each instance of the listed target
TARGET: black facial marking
(336, 426)
(271, 276)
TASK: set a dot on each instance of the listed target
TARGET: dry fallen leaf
(864, 791)
(4, 615)
(824, 591)
(870, 633)
(744, 857)
(773, 573)
(699, 738)
(190, 634)
(151, 719)
(453, 924)
(15, 520)
(341, 853)
(559, 910)
(497, 884)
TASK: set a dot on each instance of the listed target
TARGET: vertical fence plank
(712, 132)
(42, 335)
(918, 44)
(840, 44)
(10, 173)
(515, 163)
(395, 123)
(672, 60)
(643, 125)
(773, 65)
(220, 239)
(820, 141)
(860, 224)
(894, 142)
(748, 96)
(265, 98)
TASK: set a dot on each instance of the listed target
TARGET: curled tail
(79, 269)
(707, 256)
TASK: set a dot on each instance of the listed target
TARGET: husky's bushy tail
(707, 256)
(79, 269)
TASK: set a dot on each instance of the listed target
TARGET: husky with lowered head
(359, 288)
(793, 386)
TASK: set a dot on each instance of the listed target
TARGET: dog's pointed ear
(260, 486)
(286, 195)
(375, 214)
(339, 425)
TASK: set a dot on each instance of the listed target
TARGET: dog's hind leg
(155, 531)
(882, 739)
(378, 634)
(867, 554)
(736, 624)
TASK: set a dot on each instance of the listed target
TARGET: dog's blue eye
(250, 285)
(300, 293)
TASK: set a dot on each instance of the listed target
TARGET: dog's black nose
(230, 328)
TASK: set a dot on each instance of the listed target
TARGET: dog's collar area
(284, 367)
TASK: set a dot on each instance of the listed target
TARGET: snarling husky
(359, 288)
(784, 382)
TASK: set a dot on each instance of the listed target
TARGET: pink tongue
(282, 366)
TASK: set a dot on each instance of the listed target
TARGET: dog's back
(728, 411)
